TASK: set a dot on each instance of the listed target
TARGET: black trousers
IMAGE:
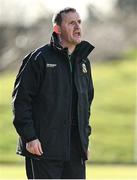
(55, 169)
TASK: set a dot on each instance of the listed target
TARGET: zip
(76, 84)
(69, 115)
(68, 130)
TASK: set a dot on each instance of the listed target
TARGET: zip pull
(70, 65)
(82, 161)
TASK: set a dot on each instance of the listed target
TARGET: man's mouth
(77, 34)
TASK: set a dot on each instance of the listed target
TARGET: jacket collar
(81, 51)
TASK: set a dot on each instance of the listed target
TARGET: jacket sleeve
(90, 91)
(25, 90)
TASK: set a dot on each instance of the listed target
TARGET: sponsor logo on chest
(51, 65)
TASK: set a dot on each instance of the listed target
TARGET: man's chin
(78, 41)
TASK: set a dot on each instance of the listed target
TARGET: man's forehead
(70, 16)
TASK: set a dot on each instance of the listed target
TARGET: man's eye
(72, 22)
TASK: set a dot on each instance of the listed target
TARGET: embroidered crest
(84, 69)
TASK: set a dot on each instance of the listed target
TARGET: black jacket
(42, 99)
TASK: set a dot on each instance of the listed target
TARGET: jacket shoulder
(46, 49)
(39, 51)
(45, 52)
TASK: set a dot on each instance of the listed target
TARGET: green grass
(112, 117)
(93, 172)
(113, 111)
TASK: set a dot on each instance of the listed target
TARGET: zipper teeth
(78, 108)
(70, 102)
(69, 131)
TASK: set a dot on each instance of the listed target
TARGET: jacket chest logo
(84, 68)
(51, 65)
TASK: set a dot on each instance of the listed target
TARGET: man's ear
(57, 29)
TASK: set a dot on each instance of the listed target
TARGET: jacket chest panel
(56, 78)
(83, 78)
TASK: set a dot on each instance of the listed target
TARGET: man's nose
(77, 25)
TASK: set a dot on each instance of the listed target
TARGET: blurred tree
(94, 16)
(115, 33)
(18, 40)
(127, 6)
(112, 34)
(125, 15)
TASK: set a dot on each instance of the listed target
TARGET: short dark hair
(57, 18)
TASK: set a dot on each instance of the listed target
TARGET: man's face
(71, 29)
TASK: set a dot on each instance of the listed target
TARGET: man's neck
(70, 50)
(70, 47)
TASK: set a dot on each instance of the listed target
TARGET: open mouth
(78, 34)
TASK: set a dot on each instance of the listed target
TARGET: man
(52, 97)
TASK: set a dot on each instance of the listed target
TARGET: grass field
(112, 117)
(98, 172)
(113, 112)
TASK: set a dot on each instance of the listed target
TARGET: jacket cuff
(31, 139)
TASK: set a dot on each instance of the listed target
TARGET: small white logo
(51, 65)
(84, 69)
